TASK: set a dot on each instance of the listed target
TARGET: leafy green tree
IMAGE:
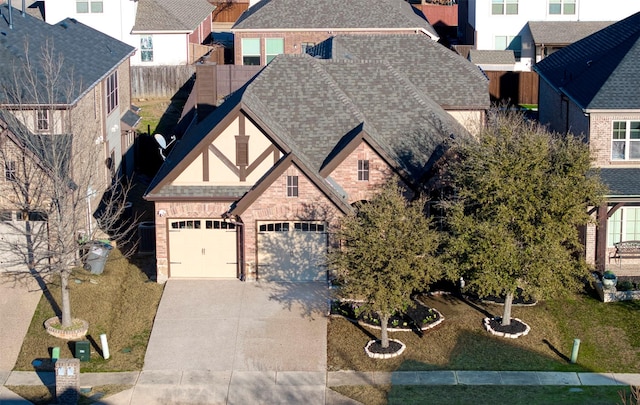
(521, 193)
(387, 252)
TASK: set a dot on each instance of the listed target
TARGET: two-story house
(58, 95)
(254, 189)
(273, 27)
(533, 29)
(591, 88)
(164, 32)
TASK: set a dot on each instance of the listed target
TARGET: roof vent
(589, 62)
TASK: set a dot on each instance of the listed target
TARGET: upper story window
(146, 49)
(42, 120)
(112, 92)
(292, 186)
(508, 42)
(363, 170)
(305, 47)
(274, 47)
(251, 51)
(88, 6)
(10, 170)
(504, 7)
(625, 143)
(567, 7)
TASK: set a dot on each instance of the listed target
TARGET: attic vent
(64, 25)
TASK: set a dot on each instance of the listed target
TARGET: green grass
(609, 334)
(121, 302)
(483, 394)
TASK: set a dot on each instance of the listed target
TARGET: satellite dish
(163, 143)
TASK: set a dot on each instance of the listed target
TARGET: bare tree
(58, 189)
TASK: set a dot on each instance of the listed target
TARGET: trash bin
(83, 350)
(96, 256)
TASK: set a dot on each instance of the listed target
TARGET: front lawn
(121, 302)
(609, 334)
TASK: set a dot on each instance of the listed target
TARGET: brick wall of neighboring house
(124, 87)
(273, 204)
(293, 40)
(173, 210)
(346, 174)
(202, 32)
(601, 135)
(550, 107)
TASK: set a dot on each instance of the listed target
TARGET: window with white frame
(274, 47)
(625, 142)
(86, 6)
(623, 225)
(112, 92)
(146, 48)
(509, 42)
(292, 186)
(305, 47)
(363, 170)
(499, 7)
(42, 120)
(567, 7)
(251, 51)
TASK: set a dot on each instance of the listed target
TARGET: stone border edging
(384, 356)
(504, 334)
(70, 334)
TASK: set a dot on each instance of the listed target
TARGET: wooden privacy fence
(514, 87)
(229, 78)
(159, 81)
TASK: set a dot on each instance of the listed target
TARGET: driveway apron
(235, 326)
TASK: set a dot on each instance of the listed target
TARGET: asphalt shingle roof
(492, 57)
(87, 55)
(336, 14)
(313, 106)
(449, 79)
(622, 182)
(171, 15)
(564, 32)
(601, 71)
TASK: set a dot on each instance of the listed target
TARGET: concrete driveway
(230, 325)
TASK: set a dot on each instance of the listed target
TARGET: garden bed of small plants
(415, 317)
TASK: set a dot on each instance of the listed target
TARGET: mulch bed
(515, 327)
(376, 347)
(416, 316)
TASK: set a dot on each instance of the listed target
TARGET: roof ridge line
(333, 85)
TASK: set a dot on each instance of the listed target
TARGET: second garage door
(292, 251)
(203, 248)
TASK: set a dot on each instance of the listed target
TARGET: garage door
(202, 248)
(14, 248)
(292, 251)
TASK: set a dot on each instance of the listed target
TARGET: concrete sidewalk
(293, 387)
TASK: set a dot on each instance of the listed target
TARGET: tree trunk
(66, 303)
(506, 316)
(384, 335)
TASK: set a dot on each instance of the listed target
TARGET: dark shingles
(621, 182)
(336, 14)
(87, 55)
(171, 15)
(600, 71)
(564, 32)
(448, 78)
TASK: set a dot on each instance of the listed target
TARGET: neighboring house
(490, 60)
(164, 32)
(591, 88)
(273, 27)
(515, 25)
(254, 189)
(93, 94)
